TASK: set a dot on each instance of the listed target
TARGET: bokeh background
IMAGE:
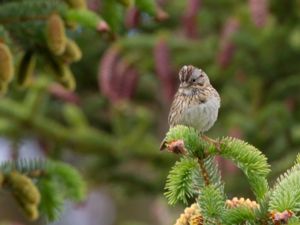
(126, 80)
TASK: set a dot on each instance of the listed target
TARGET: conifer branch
(185, 181)
(238, 215)
(204, 172)
(212, 204)
(179, 185)
(249, 159)
(24, 19)
(285, 195)
(54, 182)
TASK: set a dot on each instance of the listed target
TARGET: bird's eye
(194, 80)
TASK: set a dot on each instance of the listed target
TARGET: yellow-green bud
(55, 34)
(31, 211)
(72, 52)
(6, 63)
(68, 80)
(26, 69)
(23, 188)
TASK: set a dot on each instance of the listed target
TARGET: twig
(204, 172)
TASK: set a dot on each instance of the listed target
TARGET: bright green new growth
(286, 192)
(212, 203)
(180, 181)
(197, 175)
(250, 160)
(238, 215)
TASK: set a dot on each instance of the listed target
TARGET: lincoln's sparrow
(196, 103)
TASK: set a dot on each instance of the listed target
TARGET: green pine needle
(214, 173)
(52, 200)
(179, 183)
(249, 159)
(238, 215)
(70, 181)
(23, 165)
(286, 192)
(245, 156)
(294, 221)
(211, 202)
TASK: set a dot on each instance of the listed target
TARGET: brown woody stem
(204, 172)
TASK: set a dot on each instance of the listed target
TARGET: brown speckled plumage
(196, 102)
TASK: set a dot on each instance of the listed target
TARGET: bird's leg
(216, 143)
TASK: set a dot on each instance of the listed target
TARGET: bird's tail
(163, 145)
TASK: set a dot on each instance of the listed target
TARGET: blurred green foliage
(250, 50)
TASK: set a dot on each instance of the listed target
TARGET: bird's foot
(214, 142)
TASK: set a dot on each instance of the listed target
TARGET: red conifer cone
(107, 72)
(190, 18)
(127, 78)
(227, 47)
(132, 18)
(259, 11)
(162, 58)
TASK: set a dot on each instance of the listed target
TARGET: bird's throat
(189, 91)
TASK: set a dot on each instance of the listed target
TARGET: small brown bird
(196, 103)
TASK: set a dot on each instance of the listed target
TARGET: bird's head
(192, 77)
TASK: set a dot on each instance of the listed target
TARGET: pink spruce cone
(107, 72)
(131, 76)
(259, 12)
(227, 47)
(190, 18)
(117, 78)
(162, 60)
(127, 77)
(132, 18)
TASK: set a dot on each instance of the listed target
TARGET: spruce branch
(285, 195)
(204, 172)
(86, 18)
(294, 221)
(244, 155)
(212, 204)
(238, 215)
(52, 200)
(56, 181)
(249, 159)
(179, 185)
(210, 173)
(29, 10)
